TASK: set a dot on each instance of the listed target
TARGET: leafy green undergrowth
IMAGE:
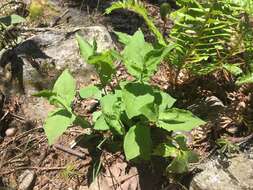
(7, 23)
(206, 35)
(201, 41)
(133, 110)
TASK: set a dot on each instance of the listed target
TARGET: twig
(17, 117)
(42, 158)
(2, 159)
(240, 140)
(24, 152)
(114, 185)
(5, 114)
(70, 151)
(40, 169)
(23, 134)
(56, 21)
(123, 179)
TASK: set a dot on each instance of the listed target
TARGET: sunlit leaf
(65, 87)
(137, 142)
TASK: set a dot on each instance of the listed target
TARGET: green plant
(132, 109)
(62, 96)
(39, 10)
(202, 30)
(69, 172)
(8, 38)
(226, 147)
(203, 33)
(246, 5)
(247, 36)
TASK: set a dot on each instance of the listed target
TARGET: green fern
(247, 35)
(203, 35)
(202, 32)
(137, 7)
(246, 5)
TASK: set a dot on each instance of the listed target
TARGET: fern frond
(137, 7)
(203, 31)
(246, 5)
(247, 34)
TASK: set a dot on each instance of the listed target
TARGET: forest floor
(70, 164)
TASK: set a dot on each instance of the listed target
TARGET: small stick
(17, 117)
(44, 155)
(55, 22)
(16, 138)
(5, 114)
(123, 179)
(70, 151)
(32, 168)
(240, 140)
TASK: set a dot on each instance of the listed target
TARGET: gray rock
(26, 180)
(237, 176)
(52, 52)
(242, 169)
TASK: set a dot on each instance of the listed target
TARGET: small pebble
(26, 180)
(11, 132)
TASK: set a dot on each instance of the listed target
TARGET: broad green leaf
(152, 59)
(104, 65)
(178, 120)
(96, 115)
(137, 143)
(65, 87)
(81, 121)
(109, 104)
(108, 56)
(12, 19)
(140, 58)
(101, 124)
(111, 109)
(134, 55)
(245, 79)
(233, 69)
(164, 100)
(123, 37)
(59, 101)
(179, 164)
(150, 111)
(115, 125)
(181, 141)
(86, 50)
(165, 150)
(56, 124)
(135, 96)
(91, 91)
